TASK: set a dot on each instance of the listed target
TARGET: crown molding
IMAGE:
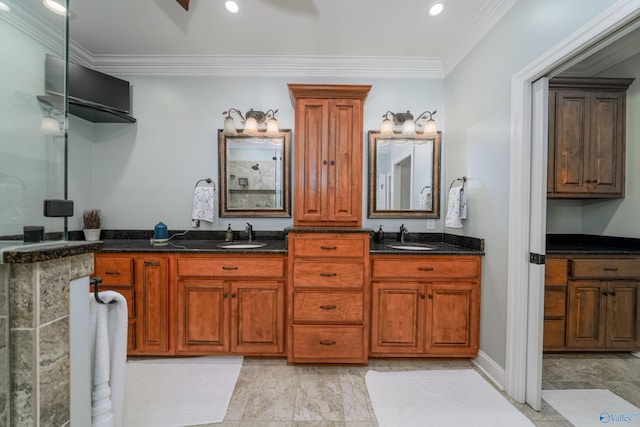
(479, 25)
(269, 66)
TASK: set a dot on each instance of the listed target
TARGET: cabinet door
(202, 316)
(453, 318)
(257, 317)
(344, 164)
(569, 137)
(311, 160)
(606, 147)
(397, 318)
(587, 314)
(152, 289)
(623, 304)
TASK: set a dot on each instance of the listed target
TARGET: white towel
(109, 324)
(202, 205)
(11, 204)
(456, 208)
(424, 201)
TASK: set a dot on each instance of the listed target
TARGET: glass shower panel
(32, 132)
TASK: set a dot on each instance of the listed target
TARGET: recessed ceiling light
(436, 9)
(4, 7)
(55, 7)
(231, 6)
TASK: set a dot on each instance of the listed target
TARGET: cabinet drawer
(114, 271)
(329, 247)
(328, 274)
(555, 302)
(343, 307)
(328, 343)
(230, 267)
(424, 268)
(605, 268)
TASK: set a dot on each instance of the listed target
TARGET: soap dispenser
(379, 237)
(228, 237)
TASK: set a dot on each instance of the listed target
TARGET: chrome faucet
(249, 230)
(403, 231)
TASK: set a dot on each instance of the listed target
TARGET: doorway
(523, 370)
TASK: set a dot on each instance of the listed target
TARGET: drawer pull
(112, 273)
(425, 268)
(328, 307)
(610, 269)
(327, 343)
(329, 248)
(328, 274)
(229, 268)
(152, 263)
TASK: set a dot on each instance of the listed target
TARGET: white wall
(478, 123)
(145, 172)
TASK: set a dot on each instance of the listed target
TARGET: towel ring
(96, 281)
(463, 180)
(208, 181)
(424, 188)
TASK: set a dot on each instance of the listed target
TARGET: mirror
(404, 176)
(254, 175)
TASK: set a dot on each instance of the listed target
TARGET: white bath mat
(179, 392)
(452, 398)
(589, 407)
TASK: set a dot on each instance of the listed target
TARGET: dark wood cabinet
(425, 306)
(586, 157)
(328, 154)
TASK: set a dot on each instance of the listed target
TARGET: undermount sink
(411, 246)
(241, 245)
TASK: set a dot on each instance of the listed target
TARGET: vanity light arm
(233, 110)
(424, 115)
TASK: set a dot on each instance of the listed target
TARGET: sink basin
(241, 245)
(411, 246)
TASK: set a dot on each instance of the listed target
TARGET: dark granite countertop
(18, 252)
(193, 246)
(585, 244)
(442, 244)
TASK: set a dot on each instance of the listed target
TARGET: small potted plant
(92, 222)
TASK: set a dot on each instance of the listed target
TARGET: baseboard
(636, 353)
(490, 368)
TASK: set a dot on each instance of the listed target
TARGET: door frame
(520, 370)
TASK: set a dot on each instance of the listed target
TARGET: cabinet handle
(229, 268)
(328, 307)
(610, 269)
(328, 274)
(329, 248)
(327, 342)
(152, 263)
(588, 181)
(333, 162)
(112, 273)
(595, 181)
(425, 268)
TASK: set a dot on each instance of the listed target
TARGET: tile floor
(271, 394)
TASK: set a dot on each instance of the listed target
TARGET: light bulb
(251, 126)
(229, 127)
(386, 129)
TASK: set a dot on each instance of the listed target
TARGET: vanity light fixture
(251, 122)
(408, 124)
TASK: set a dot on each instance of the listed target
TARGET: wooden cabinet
(586, 157)
(230, 304)
(601, 301)
(143, 279)
(328, 154)
(555, 304)
(425, 306)
(328, 298)
(603, 304)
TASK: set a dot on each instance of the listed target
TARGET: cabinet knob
(224, 295)
(333, 162)
(233, 295)
(324, 162)
(595, 181)
(422, 296)
(588, 181)
(430, 296)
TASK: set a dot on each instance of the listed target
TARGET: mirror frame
(224, 210)
(435, 180)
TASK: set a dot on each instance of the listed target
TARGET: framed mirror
(254, 175)
(404, 176)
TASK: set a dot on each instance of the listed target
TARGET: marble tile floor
(269, 393)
